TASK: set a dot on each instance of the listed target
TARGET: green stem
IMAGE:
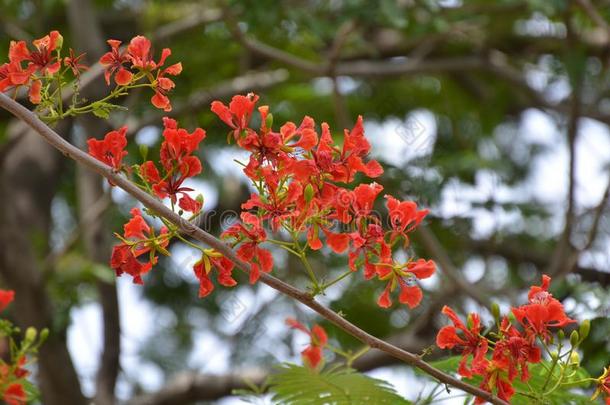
(357, 355)
(336, 280)
(188, 242)
(310, 272)
(60, 102)
(555, 361)
(561, 376)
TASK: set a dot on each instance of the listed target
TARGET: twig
(91, 216)
(594, 14)
(200, 235)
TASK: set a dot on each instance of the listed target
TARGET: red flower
(113, 62)
(237, 115)
(350, 159)
(308, 138)
(494, 379)
(357, 203)
(312, 354)
(41, 59)
(470, 342)
(74, 63)
(404, 217)
(124, 257)
(405, 277)
(251, 234)
(179, 145)
(6, 297)
(368, 243)
(20, 371)
(203, 267)
(110, 150)
(178, 164)
(141, 57)
(124, 260)
(280, 202)
(15, 394)
(542, 312)
(138, 52)
(164, 85)
(514, 352)
(12, 74)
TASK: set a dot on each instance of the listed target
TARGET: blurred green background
(492, 114)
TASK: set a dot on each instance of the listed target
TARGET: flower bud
(469, 321)
(574, 338)
(495, 311)
(60, 42)
(574, 360)
(308, 193)
(42, 337)
(269, 121)
(30, 335)
(554, 355)
(584, 329)
(561, 334)
(144, 151)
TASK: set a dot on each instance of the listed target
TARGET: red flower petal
(6, 297)
(338, 242)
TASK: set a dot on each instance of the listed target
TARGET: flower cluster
(136, 61)
(517, 343)
(312, 355)
(177, 165)
(12, 370)
(304, 188)
(41, 69)
(27, 67)
(138, 239)
(164, 179)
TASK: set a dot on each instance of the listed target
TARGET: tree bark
(28, 182)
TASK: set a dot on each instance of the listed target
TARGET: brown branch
(186, 24)
(86, 28)
(597, 216)
(565, 255)
(594, 15)
(200, 235)
(189, 387)
(29, 175)
(517, 253)
(91, 216)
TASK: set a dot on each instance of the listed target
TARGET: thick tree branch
(29, 175)
(87, 30)
(200, 235)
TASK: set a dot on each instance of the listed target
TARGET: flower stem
(336, 280)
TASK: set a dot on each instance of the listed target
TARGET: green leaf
(538, 375)
(297, 385)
